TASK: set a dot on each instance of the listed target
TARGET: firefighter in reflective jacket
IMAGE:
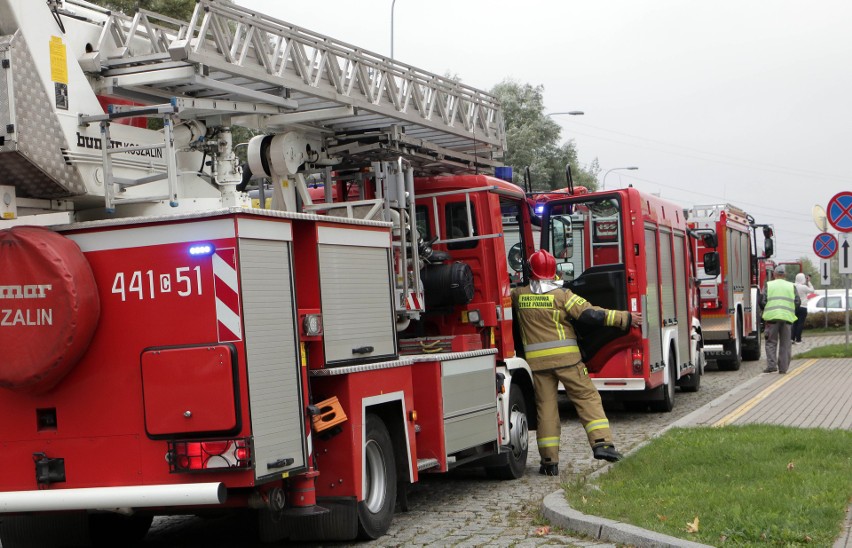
(544, 311)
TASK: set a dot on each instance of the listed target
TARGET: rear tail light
(213, 455)
(637, 361)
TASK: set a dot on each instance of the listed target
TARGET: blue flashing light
(201, 250)
(539, 209)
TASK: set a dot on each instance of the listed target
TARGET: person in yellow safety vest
(545, 310)
(779, 303)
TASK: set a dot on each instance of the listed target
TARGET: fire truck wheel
(636, 406)
(751, 351)
(375, 512)
(752, 347)
(519, 436)
(667, 403)
(736, 347)
(41, 530)
(118, 530)
(691, 382)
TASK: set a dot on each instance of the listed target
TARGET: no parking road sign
(839, 211)
(825, 246)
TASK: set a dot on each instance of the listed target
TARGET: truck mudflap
(138, 496)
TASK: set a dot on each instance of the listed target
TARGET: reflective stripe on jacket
(545, 319)
(780, 302)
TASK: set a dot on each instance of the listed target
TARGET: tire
(519, 436)
(751, 347)
(118, 530)
(734, 363)
(751, 353)
(667, 403)
(45, 530)
(375, 512)
(636, 406)
(692, 382)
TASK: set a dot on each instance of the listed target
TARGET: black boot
(549, 469)
(607, 452)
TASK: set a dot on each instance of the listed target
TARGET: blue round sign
(825, 246)
(839, 211)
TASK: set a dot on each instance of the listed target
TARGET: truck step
(426, 464)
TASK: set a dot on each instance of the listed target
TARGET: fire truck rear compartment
(190, 390)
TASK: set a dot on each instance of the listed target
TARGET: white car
(834, 301)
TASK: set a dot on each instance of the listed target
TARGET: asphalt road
(464, 508)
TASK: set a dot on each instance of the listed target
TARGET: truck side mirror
(710, 240)
(566, 271)
(711, 263)
(768, 247)
(516, 257)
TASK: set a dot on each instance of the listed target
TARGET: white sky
(743, 101)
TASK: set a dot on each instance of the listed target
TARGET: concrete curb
(556, 509)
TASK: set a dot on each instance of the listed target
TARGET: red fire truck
(168, 348)
(729, 307)
(628, 250)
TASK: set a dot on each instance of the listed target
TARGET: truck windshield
(584, 234)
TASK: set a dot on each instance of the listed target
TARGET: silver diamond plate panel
(38, 168)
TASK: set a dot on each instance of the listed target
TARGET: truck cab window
(422, 213)
(585, 234)
(456, 215)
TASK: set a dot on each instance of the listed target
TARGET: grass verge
(828, 351)
(738, 485)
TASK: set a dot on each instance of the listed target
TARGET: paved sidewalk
(813, 394)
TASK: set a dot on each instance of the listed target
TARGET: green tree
(533, 140)
(176, 9)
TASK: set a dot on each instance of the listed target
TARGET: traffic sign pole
(845, 260)
(839, 215)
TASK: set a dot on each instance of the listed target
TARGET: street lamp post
(569, 113)
(393, 4)
(603, 181)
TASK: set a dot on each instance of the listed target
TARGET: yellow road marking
(747, 406)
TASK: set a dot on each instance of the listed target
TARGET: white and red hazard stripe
(225, 287)
(412, 302)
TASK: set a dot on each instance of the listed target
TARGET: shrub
(817, 320)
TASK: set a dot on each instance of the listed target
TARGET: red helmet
(542, 265)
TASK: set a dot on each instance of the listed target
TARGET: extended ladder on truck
(366, 103)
